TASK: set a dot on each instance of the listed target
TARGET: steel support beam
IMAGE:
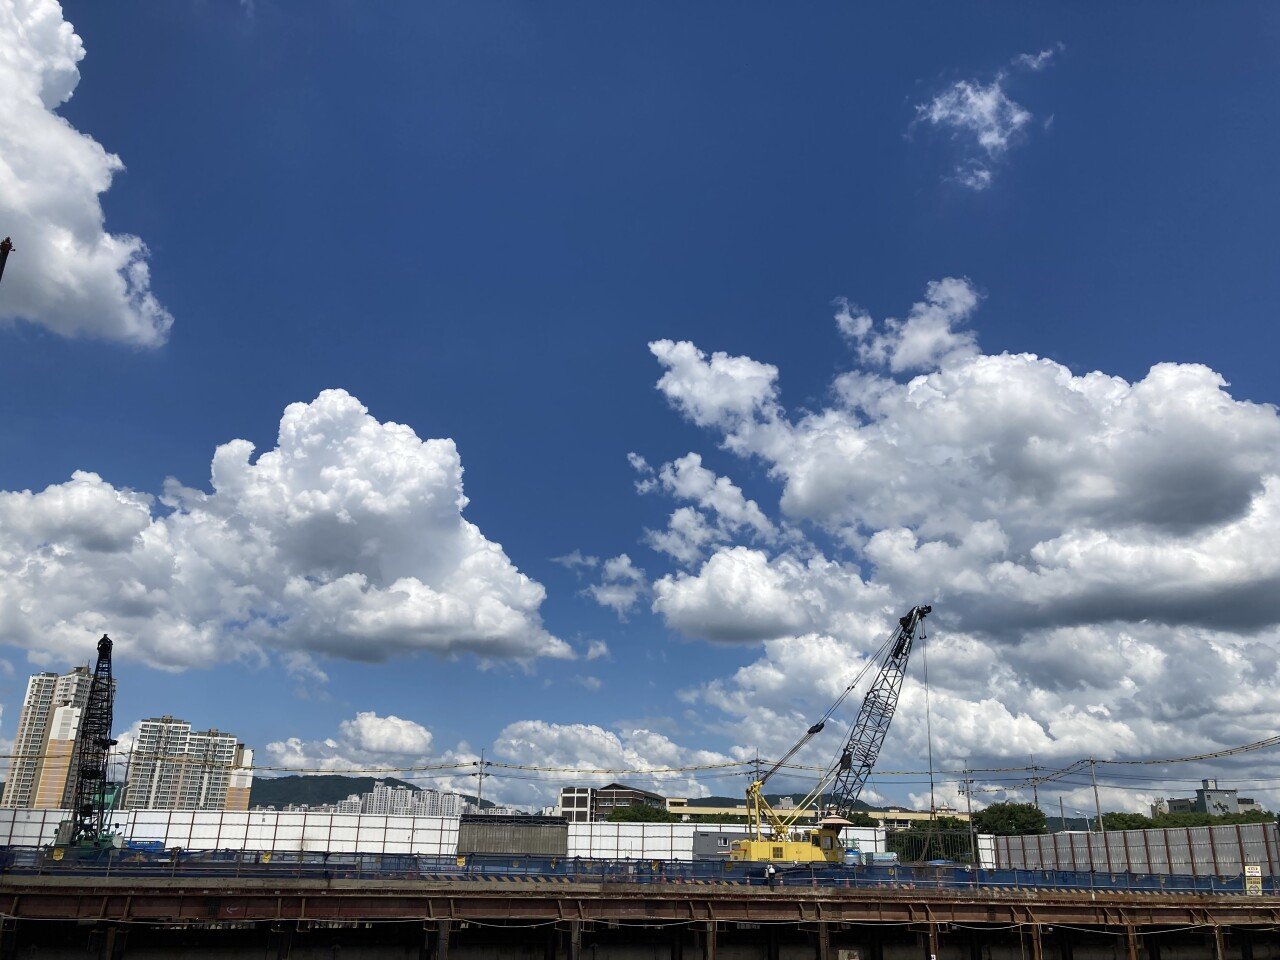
(443, 929)
(824, 941)
(1219, 948)
(1037, 947)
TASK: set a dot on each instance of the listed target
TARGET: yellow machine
(775, 838)
(783, 842)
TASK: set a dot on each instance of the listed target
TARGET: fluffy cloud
(346, 539)
(67, 272)
(713, 392)
(721, 508)
(1098, 550)
(371, 742)
(983, 119)
(587, 746)
(365, 742)
(621, 585)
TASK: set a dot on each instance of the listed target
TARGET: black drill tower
(88, 826)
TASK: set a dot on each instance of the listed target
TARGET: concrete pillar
(575, 940)
(709, 944)
(933, 941)
(824, 941)
(1219, 948)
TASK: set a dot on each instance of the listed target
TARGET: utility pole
(1062, 813)
(480, 786)
(1097, 804)
(973, 836)
(1035, 782)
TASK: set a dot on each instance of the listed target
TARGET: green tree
(1115, 820)
(861, 819)
(642, 813)
(1007, 819)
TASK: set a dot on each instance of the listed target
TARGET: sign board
(1253, 879)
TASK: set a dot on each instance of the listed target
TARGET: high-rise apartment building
(53, 785)
(400, 801)
(172, 767)
(38, 775)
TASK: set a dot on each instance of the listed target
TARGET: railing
(18, 862)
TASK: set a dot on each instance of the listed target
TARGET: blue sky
(475, 217)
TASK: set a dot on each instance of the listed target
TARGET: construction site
(800, 880)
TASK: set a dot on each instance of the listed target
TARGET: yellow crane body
(819, 846)
(775, 838)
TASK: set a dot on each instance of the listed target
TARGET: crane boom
(868, 733)
(771, 830)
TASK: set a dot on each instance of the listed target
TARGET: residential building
(584, 804)
(46, 693)
(889, 817)
(53, 785)
(349, 805)
(172, 767)
(576, 804)
(400, 801)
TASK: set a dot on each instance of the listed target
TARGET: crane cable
(872, 660)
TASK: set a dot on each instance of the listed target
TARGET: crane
(90, 805)
(772, 833)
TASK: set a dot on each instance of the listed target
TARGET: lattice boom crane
(774, 838)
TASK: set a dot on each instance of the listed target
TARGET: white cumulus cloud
(621, 585)
(67, 272)
(1098, 550)
(367, 741)
(347, 539)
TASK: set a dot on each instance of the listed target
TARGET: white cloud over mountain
(365, 742)
(347, 539)
(67, 273)
(369, 742)
(1099, 551)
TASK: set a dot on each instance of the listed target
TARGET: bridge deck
(206, 900)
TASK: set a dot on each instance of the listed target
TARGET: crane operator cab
(822, 845)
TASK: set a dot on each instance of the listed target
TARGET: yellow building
(890, 817)
(54, 767)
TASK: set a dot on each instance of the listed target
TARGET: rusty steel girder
(182, 901)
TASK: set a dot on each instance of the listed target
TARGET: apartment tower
(39, 771)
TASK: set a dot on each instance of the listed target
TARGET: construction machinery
(92, 799)
(774, 836)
